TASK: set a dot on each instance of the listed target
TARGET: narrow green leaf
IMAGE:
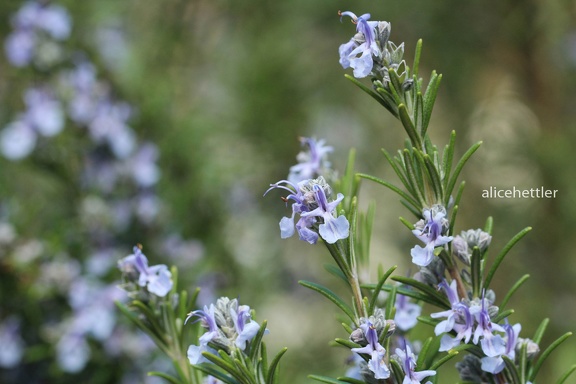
(448, 158)
(434, 177)
(512, 290)
(419, 115)
(378, 288)
(325, 379)
(536, 367)
(408, 224)
(512, 370)
(330, 296)
(353, 220)
(449, 356)
(428, 320)
(456, 204)
(565, 376)
(389, 186)
(476, 271)
(152, 333)
(398, 171)
(220, 362)
(416, 62)
(395, 87)
(409, 126)
(350, 380)
(415, 178)
(424, 288)
(488, 225)
(168, 378)
(257, 341)
(422, 355)
(503, 254)
(264, 360)
(334, 270)
(374, 95)
(397, 371)
(540, 331)
(459, 166)
(502, 315)
(388, 101)
(347, 343)
(391, 303)
(523, 362)
(414, 210)
(211, 371)
(408, 292)
(430, 96)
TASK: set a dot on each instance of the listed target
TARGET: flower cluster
(471, 320)
(37, 27)
(369, 52)
(228, 326)
(310, 201)
(371, 331)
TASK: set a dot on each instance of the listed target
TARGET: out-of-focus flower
(17, 140)
(311, 163)
(12, 345)
(406, 313)
(34, 24)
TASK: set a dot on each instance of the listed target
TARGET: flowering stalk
(472, 320)
(231, 350)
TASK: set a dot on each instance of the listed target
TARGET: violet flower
(431, 235)
(245, 327)
(458, 318)
(406, 313)
(311, 162)
(408, 362)
(332, 229)
(157, 279)
(357, 55)
(492, 345)
(208, 320)
(310, 202)
(495, 364)
(376, 351)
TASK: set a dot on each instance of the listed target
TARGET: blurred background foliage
(225, 88)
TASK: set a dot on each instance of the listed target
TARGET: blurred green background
(225, 88)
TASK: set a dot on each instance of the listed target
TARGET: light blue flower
(431, 235)
(492, 345)
(408, 363)
(333, 228)
(245, 327)
(458, 318)
(157, 279)
(495, 364)
(359, 55)
(376, 351)
(208, 319)
(310, 202)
